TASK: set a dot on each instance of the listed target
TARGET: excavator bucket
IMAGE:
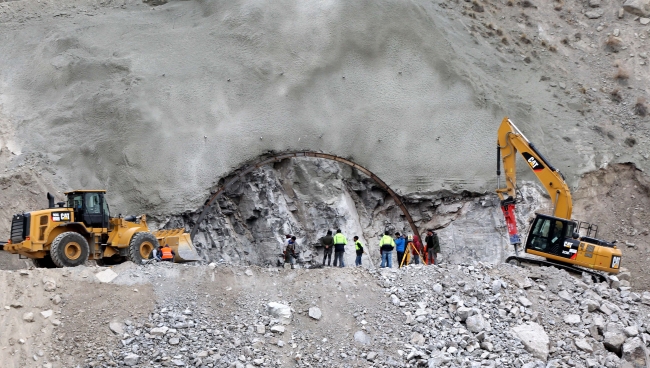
(180, 243)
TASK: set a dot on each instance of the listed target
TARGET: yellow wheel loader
(72, 232)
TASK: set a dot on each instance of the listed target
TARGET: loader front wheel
(69, 249)
(141, 246)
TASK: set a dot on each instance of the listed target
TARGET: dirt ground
(617, 199)
(82, 315)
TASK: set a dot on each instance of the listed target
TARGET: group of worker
(402, 245)
(165, 254)
(410, 245)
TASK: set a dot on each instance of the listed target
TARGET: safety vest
(167, 253)
(339, 239)
(358, 245)
(387, 240)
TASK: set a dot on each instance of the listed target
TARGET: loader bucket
(180, 243)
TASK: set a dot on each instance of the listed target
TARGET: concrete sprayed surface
(156, 103)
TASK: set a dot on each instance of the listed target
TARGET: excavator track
(597, 276)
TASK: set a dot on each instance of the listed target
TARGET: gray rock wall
(305, 197)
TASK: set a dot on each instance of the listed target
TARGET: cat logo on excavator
(81, 229)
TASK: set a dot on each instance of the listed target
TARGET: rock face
(306, 197)
(534, 338)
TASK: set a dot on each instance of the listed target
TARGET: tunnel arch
(277, 157)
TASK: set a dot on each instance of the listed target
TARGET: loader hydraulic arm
(510, 140)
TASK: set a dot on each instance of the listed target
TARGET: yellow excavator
(562, 241)
(72, 232)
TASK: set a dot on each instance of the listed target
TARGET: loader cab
(90, 207)
(548, 234)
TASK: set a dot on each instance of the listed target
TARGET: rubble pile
(472, 315)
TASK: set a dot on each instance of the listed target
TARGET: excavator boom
(510, 141)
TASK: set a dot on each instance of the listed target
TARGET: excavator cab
(548, 234)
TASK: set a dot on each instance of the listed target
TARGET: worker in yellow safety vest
(358, 247)
(386, 246)
(339, 248)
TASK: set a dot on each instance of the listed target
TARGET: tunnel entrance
(245, 169)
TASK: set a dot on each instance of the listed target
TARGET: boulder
(361, 338)
(594, 14)
(584, 345)
(131, 360)
(564, 295)
(613, 341)
(47, 313)
(28, 317)
(159, 331)
(117, 328)
(645, 298)
(534, 338)
(634, 352)
(476, 323)
(631, 331)
(625, 275)
(572, 319)
(589, 304)
(49, 284)
(277, 329)
(106, 276)
(496, 286)
(280, 311)
(315, 313)
(417, 339)
(637, 7)
(525, 302)
(463, 313)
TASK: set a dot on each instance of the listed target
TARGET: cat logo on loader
(81, 229)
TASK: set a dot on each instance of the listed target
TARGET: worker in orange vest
(167, 254)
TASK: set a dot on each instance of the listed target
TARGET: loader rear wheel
(141, 246)
(69, 249)
(45, 262)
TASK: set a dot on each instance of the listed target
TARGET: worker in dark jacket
(433, 246)
(386, 246)
(358, 247)
(290, 254)
(328, 246)
(339, 248)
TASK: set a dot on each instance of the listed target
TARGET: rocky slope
(223, 315)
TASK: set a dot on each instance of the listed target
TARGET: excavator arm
(510, 140)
